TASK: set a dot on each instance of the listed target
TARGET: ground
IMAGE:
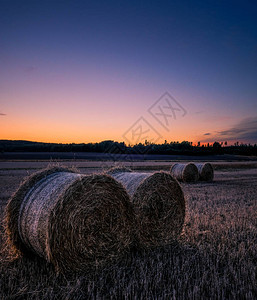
(215, 257)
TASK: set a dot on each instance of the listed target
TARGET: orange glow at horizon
(80, 131)
(83, 111)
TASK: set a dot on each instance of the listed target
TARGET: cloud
(246, 130)
(1, 114)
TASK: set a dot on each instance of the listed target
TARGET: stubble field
(215, 257)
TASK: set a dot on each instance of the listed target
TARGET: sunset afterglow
(75, 72)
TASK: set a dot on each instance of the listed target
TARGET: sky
(88, 71)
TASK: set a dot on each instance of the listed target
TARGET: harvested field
(215, 258)
(92, 166)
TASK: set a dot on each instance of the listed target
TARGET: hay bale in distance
(159, 205)
(206, 172)
(185, 172)
(74, 221)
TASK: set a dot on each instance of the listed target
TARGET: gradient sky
(87, 71)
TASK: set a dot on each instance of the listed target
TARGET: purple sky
(80, 71)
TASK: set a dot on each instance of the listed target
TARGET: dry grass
(215, 258)
(185, 172)
(159, 205)
(206, 172)
(74, 221)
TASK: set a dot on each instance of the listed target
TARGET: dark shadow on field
(190, 269)
(138, 274)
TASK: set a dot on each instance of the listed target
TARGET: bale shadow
(139, 273)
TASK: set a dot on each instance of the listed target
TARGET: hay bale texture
(74, 221)
(206, 172)
(158, 202)
(185, 172)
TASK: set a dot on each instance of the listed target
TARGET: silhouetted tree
(216, 145)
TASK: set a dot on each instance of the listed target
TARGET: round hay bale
(74, 221)
(206, 172)
(158, 202)
(185, 172)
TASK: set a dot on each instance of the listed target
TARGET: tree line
(109, 146)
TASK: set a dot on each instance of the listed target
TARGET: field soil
(215, 257)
